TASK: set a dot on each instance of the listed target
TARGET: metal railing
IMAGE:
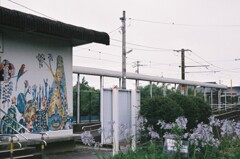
(91, 127)
(5, 113)
(11, 145)
(221, 108)
(11, 142)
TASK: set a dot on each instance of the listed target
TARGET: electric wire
(213, 64)
(32, 10)
(101, 59)
(150, 50)
(145, 46)
(133, 59)
(179, 24)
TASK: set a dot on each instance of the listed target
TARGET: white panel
(107, 117)
(124, 112)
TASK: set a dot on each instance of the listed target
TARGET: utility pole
(123, 19)
(137, 65)
(183, 67)
(182, 62)
(137, 71)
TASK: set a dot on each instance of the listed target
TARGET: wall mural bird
(20, 73)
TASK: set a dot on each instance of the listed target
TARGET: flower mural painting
(7, 72)
(58, 104)
(42, 106)
(8, 126)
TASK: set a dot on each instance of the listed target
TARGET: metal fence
(89, 106)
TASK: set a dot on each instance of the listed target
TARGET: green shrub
(204, 109)
(156, 108)
(191, 110)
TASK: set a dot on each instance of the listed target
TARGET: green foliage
(190, 108)
(157, 108)
(145, 91)
(204, 109)
(89, 99)
(195, 109)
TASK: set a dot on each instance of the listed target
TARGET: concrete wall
(36, 81)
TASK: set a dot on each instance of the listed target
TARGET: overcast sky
(210, 28)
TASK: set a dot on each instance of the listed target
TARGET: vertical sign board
(170, 146)
(1, 42)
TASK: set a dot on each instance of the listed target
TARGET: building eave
(28, 22)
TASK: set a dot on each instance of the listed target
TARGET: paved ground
(81, 152)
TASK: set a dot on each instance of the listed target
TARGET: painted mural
(41, 107)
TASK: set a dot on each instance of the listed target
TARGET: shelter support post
(78, 98)
(151, 89)
(195, 91)
(219, 99)
(205, 94)
(225, 97)
(134, 116)
(120, 82)
(115, 117)
(211, 98)
(101, 107)
(137, 84)
(164, 90)
(186, 90)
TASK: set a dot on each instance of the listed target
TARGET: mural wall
(41, 107)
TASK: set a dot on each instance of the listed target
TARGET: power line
(114, 30)
(150, 50)
(145, 46)
(32, 10)
(203, 72)
(134, 59)
(179, 24)
(211, 63)
(100, 59)
(193, 60)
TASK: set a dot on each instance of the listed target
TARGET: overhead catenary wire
(134, 59)
(144, 46)
(211, 63)
(182, 24)
(100, 59)
(134, 48)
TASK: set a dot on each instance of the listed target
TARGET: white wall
(23, 48)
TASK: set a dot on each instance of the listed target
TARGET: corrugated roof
(28, 22)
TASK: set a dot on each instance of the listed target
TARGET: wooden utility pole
(182, 62)
(182, 67)
(123, 19)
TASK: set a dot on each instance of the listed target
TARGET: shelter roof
(32, 23)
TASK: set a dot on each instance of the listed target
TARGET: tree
(89, 99)
(145, 91)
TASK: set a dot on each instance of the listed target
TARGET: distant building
(229, 95)
(36, 69)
